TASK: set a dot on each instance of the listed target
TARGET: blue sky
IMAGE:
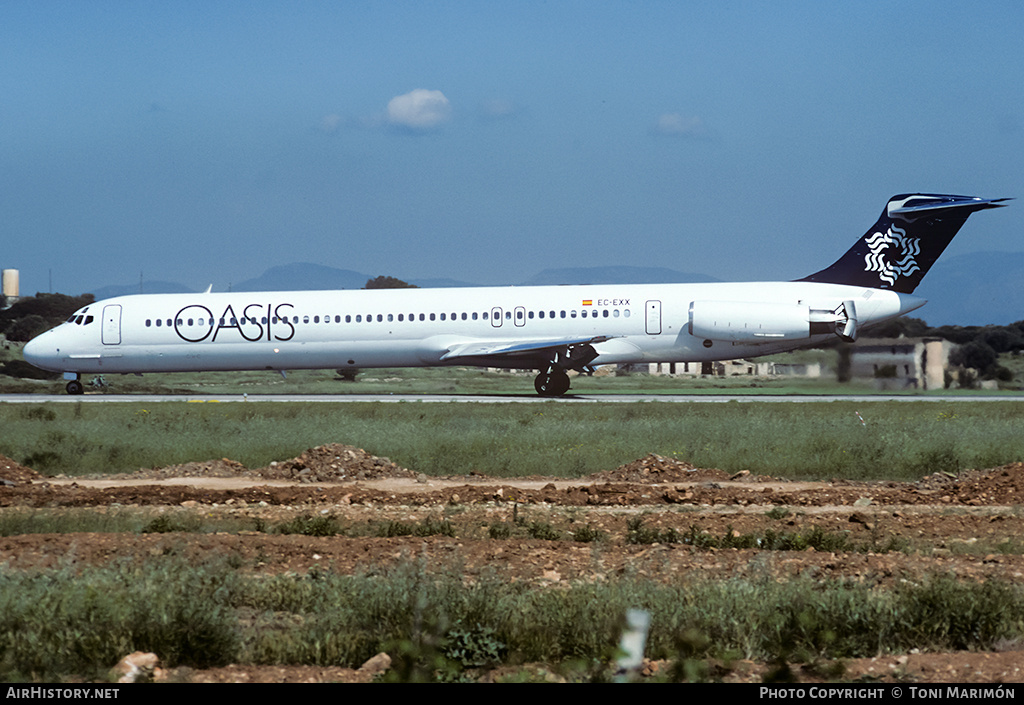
(203, 142)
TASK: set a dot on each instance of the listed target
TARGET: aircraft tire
(551, 385)
(74, 387)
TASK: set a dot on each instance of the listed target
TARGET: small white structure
(9, 285)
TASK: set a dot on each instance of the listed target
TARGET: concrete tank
(9, 283)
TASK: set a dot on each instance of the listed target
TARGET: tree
(34, 314)
(383, 282)
(976, 355)
(894, 328)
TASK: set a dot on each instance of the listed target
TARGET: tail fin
(901, 247)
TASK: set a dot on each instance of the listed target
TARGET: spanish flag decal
(588, 302)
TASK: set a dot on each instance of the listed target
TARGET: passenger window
(626, 313)
(159, 322)
(359, 319)
(563, 314)
(442, 316)
(475, 315)
(432, 316)
(401, 317)
(615, 313)
(390, 318)
(605, 312)
(485, 315)
(572, 314)
(422, 317)
(148, 323)
(348, 318)
(380, 318)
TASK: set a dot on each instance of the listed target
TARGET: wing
(573, 353)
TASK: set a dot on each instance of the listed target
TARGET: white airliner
(552, 329)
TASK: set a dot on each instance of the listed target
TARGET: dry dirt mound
(655, 468)
(1002, 485)
(326, 463)
(11, 473)
(225, 467)
(334, 462)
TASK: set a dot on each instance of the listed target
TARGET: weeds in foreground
(59, 623)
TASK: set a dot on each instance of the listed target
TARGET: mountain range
(973, 289)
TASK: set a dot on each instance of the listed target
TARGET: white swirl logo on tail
(885, 247)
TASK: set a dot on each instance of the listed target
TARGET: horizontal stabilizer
(920, 206)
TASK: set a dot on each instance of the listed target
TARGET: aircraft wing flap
(495, 348)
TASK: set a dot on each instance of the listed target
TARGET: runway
(495, 399)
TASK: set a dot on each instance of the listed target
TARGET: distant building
(895, 363)
(900, 363)
(725, 368)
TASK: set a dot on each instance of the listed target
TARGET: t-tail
(901, 247)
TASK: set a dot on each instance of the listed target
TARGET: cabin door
(653, 317)
(112, 324)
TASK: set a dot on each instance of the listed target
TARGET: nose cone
(42, 353)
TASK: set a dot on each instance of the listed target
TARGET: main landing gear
(552, 381)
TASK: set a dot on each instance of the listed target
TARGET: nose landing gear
(75, 386)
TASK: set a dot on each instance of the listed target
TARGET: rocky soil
(968, 525)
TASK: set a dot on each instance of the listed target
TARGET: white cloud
(420, 109)
(330, 123)
(497, 109)
(675, 125)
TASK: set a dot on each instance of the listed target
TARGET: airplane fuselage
(553, 329)
(427, 327)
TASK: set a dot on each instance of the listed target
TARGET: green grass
(16, 521)
(59, 623)
(900, 441)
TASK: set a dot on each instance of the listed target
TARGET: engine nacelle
(758, 322)
(749, 322)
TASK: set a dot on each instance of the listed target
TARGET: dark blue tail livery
(901, 247)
